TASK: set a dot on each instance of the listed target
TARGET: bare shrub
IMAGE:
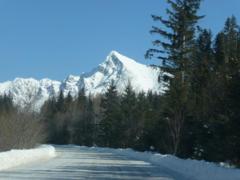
(20, 130)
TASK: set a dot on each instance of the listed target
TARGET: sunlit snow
(32, 93)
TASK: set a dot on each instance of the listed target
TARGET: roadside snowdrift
(192, 169)
(15, 158)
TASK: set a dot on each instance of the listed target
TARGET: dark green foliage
(178, 32)
(152, 127)
(111, 122)
(200, 111)
(6, 105)
(70, 120)
(177, 50)
(60, 102)
(83, 126)
(129, 116)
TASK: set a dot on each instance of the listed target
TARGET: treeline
(109, 120)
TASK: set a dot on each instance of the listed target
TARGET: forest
(197, 117)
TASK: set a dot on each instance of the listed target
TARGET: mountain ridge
(32, 93)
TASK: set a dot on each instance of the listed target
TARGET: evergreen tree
(83, 125)
(6, 105)
(219, 50)
(227, 51)
(68, 101)
(140, 112)
(195, 136)
(231, 39)
(128, 110)
(48, 112)
(60, 102)
(232, 69)
(154, 126)
(110, 124)
(176, 51)
(90, 123)
(232, 142)
(82, 99)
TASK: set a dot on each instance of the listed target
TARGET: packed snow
(32, 93)
(75, 162)
(191, 169)
(78, 162)
(13, 158)
(200, 170)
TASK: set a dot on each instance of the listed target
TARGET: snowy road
(74, 162)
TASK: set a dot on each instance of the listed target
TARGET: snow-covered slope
(30, 92)
(119, 68)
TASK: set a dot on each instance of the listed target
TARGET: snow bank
(15, 158)
(191, 169)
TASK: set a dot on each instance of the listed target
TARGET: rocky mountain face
(122, 70)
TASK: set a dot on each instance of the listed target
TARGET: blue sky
(55, 38)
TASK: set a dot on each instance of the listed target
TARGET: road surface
(73, 162)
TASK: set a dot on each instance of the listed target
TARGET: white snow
(191, 169)
(31, 93)
(79, 161)
(122, 70)
(15, 158)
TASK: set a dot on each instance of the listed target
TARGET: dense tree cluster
(201, 106)
(109, 120)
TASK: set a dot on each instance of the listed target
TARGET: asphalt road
(74, 162)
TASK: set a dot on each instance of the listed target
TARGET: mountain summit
(122, 70)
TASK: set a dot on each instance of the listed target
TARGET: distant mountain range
(29, 92)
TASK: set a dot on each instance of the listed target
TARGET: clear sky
(55, 38)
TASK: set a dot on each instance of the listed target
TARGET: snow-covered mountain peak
(112, 62)
(117, 67)
(120, 60)
(122, 70)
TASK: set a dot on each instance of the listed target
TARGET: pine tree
(154, 126)
(90, 123)
(141, 109)
(130, 121)
(227, 50)
(82, 99)
(219, 50)
(81, 123)
(110, 124)
(180, 33)
(68, 101)
(202, 72)
(195, 136)
(176, 54)
(233, 134)
(48, 112)
(231, 33)
(60, 102)
(232, 69)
